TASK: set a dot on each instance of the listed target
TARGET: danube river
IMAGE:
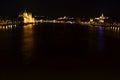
(59, 51)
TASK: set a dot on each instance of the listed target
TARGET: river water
(59, 51)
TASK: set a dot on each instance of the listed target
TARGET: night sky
(83, 8)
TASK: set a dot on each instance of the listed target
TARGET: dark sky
(85, 8)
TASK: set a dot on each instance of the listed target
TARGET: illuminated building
(101, 18)
(27, 17)
(91, 20)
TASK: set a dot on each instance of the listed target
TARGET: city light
(27, 17)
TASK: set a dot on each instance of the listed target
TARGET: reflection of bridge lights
(7, 27)
(3, 28)
(0, 27)
(115, 29)
(111, 27)
(118, 28)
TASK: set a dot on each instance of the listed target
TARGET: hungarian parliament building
(27, 17)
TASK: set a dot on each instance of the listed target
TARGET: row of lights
(7, 27)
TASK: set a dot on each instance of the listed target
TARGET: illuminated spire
(102, 15)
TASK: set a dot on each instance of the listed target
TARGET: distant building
(67, 18)
(27, 17)
(101, 18)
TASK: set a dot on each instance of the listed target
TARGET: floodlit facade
(101, 18)
(27, 17)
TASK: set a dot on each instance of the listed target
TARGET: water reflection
(27, 42)
(113, 30)
(100, 40)
(7, 27)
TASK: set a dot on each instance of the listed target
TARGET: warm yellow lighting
(27, 41)
(28, 17)
(91, 20)
(0, 27)
(118, 28)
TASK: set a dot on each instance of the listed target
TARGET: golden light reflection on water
(3, 28)
(27, 42)
(7, 27)
(109, 30)
(113, 30)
